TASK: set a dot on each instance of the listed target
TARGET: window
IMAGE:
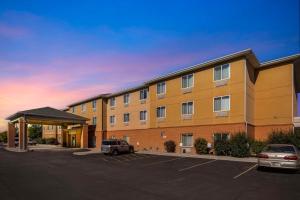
(83, 107)
(143, 94)
(221, 136)
(126, 98)
(73, 109)
(112, 102)
(161, 112)
(94, 104)
(222, 103)
(187, 81)
(221, 72)
(112, 119)
(161, 88)
(94, 120)
(187, 139)
(187, 108)
(126, 118)
(143, 115)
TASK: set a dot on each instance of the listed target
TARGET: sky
(53, 53)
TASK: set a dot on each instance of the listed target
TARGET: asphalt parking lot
(62, 175)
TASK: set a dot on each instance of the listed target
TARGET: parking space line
(187, 168)
(104, 159)
(244, 172)
(164, 161)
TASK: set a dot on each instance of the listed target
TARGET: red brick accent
(153, 139)
(262, 132)
(11, 133)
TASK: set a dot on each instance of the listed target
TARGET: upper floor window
(143, 94)
(143, 115)
(222, 72)
(112, 102)
(126, 98)
(94, 104)
(187, 108)
(112, 119)
(94, 120)
(83, 107)
(161, 88)
(73, 109)
(222, 103)
(161, 112)
(126, 117)
(187, 81)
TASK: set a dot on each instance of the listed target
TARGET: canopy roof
(48, 115)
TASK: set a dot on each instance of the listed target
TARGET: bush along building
(212, 100)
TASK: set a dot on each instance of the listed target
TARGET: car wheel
(131, 150)
(115, 152)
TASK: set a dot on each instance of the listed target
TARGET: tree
(3, 137)
(35, 131)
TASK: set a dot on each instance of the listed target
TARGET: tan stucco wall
(273, 96)
(202, 95)
(134, 107)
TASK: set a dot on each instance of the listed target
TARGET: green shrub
(294, 138)
(200, 145)
(40, 140)
(51, 141)
(239, 145)
(256, 146)
(3, 137)
(222, 147)
(170, 146)
(278, 137)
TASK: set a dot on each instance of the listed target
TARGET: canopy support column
(84, 136)
(22, 134)
(11, 134)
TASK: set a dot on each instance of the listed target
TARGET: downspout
(245, 97)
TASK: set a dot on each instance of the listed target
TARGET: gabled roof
(89, 99)
(290, 58)
(247, 53)
(47, 112)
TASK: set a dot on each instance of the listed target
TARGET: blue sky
(62, 45)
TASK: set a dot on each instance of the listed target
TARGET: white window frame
(146, 94)
(221, 103)
(165, 112)
(165, 88)
(192, 81)
(146, 115)
(94, 119)
(114, 100)
(114, 117)
(83, 107)
(73, 109)
(94, 102)
(187, 134)
(182, 109)
(128, 117)
(229, 74)
(127, 94)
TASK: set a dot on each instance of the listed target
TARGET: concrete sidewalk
(88, 152)
(213, 157)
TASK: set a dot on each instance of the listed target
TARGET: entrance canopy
(48, 116)
(43, 116)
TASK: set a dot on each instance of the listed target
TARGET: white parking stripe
(163, 161)
(104, 159)
(187, 168)
(244, 172)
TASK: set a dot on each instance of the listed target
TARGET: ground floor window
(187, 139)
(221, 136)
(126, 138)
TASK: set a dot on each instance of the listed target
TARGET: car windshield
(109, 142)
(280, 149)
